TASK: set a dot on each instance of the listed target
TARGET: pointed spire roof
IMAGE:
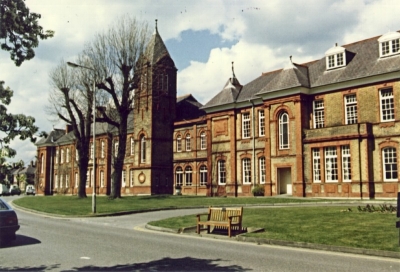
(156, 49)
(229, 93)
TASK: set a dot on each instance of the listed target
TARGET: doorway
(285, 181)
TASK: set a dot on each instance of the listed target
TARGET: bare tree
(71, 100)
(115, 55)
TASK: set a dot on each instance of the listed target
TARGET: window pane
(319, 114)
(246, 125)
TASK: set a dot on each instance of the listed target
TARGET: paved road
(122, 243)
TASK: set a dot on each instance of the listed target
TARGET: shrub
(258, 190)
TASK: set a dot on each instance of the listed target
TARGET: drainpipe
(254, 143)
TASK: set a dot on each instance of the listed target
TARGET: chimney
(68, 129)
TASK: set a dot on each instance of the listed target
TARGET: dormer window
(389, 44)
(335, 57)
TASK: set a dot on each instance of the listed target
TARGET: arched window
(179, 176)
(389, 160)
(203, 175)
(246, 167)
(57, 156)
(187, 142)
(203, 141)
(188, 176)
(143, 149)
(221, 172)
(283, 131)
(178, 143)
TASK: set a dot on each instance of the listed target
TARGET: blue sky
(203, 37)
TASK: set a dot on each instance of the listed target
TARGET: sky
(202, 37)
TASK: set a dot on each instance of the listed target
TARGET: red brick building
(326, 128)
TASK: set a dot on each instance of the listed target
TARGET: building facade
(326, 128)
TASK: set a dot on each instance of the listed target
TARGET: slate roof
(187, 107)
(156, 49)
(362, 61)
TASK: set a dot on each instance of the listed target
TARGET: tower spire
(233, 71)
(156, 30)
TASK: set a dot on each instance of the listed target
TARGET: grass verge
(320, 225)
(70, 205)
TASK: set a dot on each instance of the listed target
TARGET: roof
(156, 49)
(362, 60)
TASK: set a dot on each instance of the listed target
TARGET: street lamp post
(74, 65)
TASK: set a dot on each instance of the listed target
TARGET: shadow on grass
(21, 240)
(165, 264)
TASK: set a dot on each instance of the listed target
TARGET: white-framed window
(246, 167)
(389, 44)
(203, 175)
(132, 146)
(102, 150)
(131, 177)
(68, 155)
(331, 164)
(316, 157)
(42, 164)
(246, 125)
(178, 143)
(62, 156)
(261, 123)
(261, 163)
(203, 141)
(76, 154)
(116, 145)
(346, 163)
(188, 176)
(386, 105)
(221, 172)
(88, 178)
(66, 181)
(187, 143)
(92, 181)
(350, 102)
(336, 60)
(319, 116)
(102, 178)
(179, 176)
(123, 178)
(335, 57)
(389, 161)
(57, 156)
(76, 179)
(91, 151)
(143, 149)
(55, 181)
(283, 131)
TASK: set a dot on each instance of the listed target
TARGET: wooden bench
(227, 218)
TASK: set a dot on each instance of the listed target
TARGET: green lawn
(319, 225)
(71, 205)
(329, 225)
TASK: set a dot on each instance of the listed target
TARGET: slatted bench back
(222, 214)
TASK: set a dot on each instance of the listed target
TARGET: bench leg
(198, 229)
